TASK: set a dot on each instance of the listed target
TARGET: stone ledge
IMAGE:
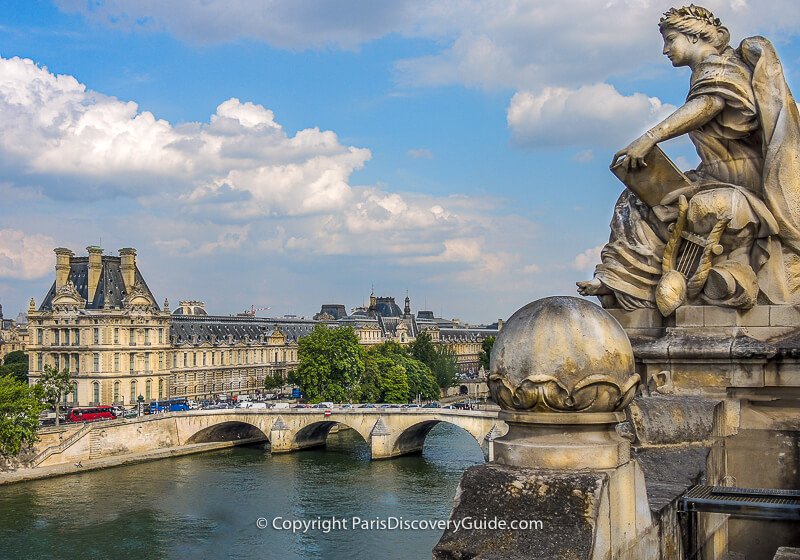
(668, 420)
(566, 503)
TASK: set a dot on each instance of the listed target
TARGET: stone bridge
(388, 432)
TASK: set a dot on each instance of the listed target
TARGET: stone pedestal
(562, 440)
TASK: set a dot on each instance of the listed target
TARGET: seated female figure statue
(744, 123)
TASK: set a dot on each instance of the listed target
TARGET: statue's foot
(593, 287)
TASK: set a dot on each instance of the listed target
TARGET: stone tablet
(652, 183)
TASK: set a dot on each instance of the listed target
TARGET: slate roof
(188, 329)
(110, 288)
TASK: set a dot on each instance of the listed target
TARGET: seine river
(208, 505)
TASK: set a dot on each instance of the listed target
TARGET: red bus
(90, 414)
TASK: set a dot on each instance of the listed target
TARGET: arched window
(96, 392)
(116, 391)
(147, 389)
(161, 387)
(74, 393)
(133, 391)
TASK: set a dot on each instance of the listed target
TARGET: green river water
(208, 505)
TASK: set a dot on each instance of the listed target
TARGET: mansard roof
(463, 334)
(188, 329)
(110, 292)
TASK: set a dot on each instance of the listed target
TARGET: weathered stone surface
(562, 354)
(786, 553)
(670, 471)
(566, 503)
(662, 420)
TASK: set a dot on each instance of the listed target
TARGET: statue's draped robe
(752, 146)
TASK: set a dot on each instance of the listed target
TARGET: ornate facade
(101, 321)
(218, 355)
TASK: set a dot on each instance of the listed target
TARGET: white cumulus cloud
(588, 259)
(594, 115)
(25, 256)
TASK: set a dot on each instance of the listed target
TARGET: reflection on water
(206, 506)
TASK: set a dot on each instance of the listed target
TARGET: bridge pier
(281, 438)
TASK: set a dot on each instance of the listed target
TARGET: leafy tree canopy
(330, 364)
(381, 377)
(15, 364)
(16, 357)
(440, 359)
(486, 352)
(54, 385)
(20, 406)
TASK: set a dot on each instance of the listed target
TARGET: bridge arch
(410, 438)
(231, 430)
(315, 434)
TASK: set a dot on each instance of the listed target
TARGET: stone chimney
(128, 267)
(95, 266)
(63, 261)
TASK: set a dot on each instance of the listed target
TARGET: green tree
(371, 386)
(20, 406)
(381, 359)
(445, 367)
(274, 381)
(440, 359)
(423, 349)
(395, 385)
(54, 386)
(15, 364)
(485, 354)
(330, 364)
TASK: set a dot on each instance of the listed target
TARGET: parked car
(281, 405)
(432, 405)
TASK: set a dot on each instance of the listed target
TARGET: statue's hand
(632, 156)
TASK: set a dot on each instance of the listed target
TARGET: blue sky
(296, 153)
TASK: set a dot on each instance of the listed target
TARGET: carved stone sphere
(562, 354)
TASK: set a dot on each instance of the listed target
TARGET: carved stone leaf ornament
(562, 354)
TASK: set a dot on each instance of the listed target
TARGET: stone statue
(728, 232)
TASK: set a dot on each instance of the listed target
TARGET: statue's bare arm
(691, 116)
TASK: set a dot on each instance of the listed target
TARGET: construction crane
(252, 311)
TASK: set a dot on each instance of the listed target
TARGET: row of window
(72, 362)
(230, 357)
(72, 336)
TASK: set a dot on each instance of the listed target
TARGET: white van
(244, 398)
(281, 405)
